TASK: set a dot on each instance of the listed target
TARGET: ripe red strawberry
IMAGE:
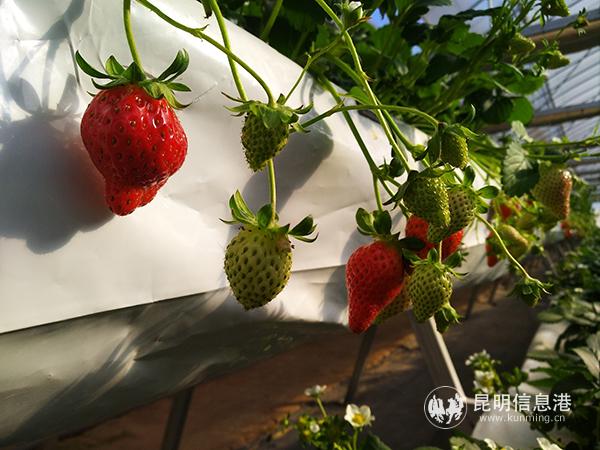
(452, 243)
(135, 141)
(399, 304)
(417, 227)
(374, 276)
(505, 211)
(492, 258)
(566, 227)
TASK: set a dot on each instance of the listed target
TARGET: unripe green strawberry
(526, 221)
(262, 143)
(399, 304)
(454, 150)
(516, 244)
(258, 264)
(520, 44)
(556, 60)
(555, 8)
(461, 203)
(428, 199)
(430, 288)
(553, 190)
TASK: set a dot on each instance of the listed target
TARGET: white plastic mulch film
(64, 255)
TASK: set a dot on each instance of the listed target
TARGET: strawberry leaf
(382, 223)
(304, 228)
(411, 243)
(434, 148)
(445, 317)
(178, 87)
(488, 192)
(519, 173)
(365, 221)
(88, 69)
(469, 176)
(113, 67)
(133, 73)
(264, 216)
(177, 67)
(240, 210)
(306, 239)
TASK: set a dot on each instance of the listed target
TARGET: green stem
(439, 249)
(321, 407)
(590, 142)
(377, 193)
(361, 144)
(400, 109)
(364, 82)
(398, 132)
(355, 440)
(272, 189)
(309, 62)
(510, 257)
(299, 45)
(225, 35)
(130, 41)
(264, 35)
(197, 32)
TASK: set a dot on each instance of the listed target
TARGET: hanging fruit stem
(130, 40)
(197, 32)
(225, 35)
(510, 257)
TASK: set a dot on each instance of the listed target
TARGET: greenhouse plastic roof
(576, 84)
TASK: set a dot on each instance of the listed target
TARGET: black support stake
(176, 421)
(363, 352)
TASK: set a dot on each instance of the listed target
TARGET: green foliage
(572, 366)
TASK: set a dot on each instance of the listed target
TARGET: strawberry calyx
(433, 151)
(265, 219)
(445, 317)
(159, 87)
(378, 224)
(530, 290)
(272, 115)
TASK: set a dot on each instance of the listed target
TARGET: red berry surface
(135, 141)
(374, 276)
(417, 227)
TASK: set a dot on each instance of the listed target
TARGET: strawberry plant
(446, 79)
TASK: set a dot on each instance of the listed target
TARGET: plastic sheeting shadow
(166, 347)
(49, 189)
(294, 166)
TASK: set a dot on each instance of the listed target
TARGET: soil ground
(243, 410)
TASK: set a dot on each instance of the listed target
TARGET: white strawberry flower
(484, 381)
(314, 427)
(359, 417)
(315, 391)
